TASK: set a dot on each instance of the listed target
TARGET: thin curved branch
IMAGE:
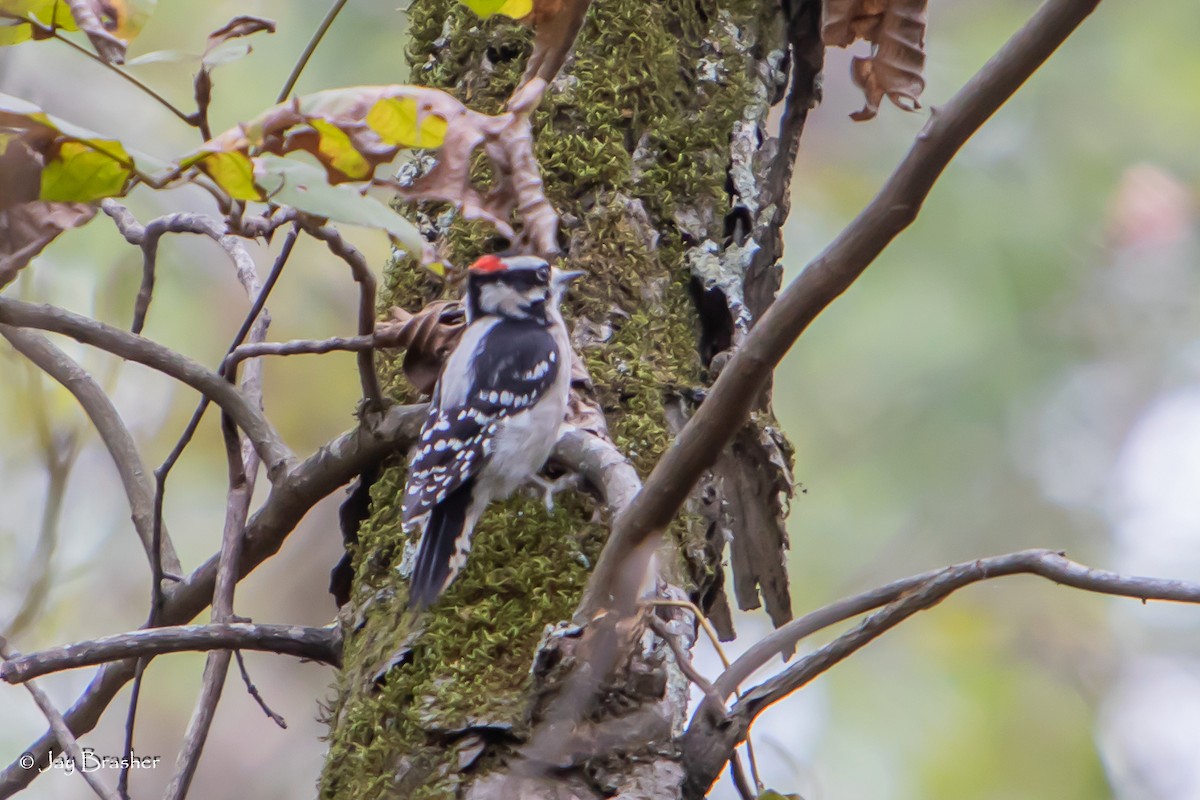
(147, 237)
(108, 423)
(243, 470)
(729, 402)
(62, 735)
(365, 279)
(709, 739)
(295, 347)
(274, 453)
(252, 690)
(317, 644)
(290, 499)
(309, 49)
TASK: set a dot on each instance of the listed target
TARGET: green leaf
(81, 174)
(306, 188)
(771, 794)
(79, 165)
(398, 121)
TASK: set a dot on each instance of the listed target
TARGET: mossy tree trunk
(654, 148)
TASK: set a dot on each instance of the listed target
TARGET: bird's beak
(563, 278)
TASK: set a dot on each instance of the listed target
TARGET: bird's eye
(543, 274)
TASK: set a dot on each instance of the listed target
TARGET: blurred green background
(1020, 369)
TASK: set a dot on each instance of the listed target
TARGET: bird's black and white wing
(514, 365)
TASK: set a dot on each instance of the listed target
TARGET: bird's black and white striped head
(517, 287)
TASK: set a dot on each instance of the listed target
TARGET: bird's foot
(547, 489)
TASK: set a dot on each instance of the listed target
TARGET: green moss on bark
(636, 130)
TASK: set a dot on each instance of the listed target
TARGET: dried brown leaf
(847, 21)
(583, 410)
(427, 336)
(239, 26)
(556, 24)
(896, 30)
(21, 169)
(96, 20)
(27, 228)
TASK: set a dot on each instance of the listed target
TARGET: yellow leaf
(14, 34)
(398, 121)
(131, 16)
(47, 12)
(336, 150)
(509, 8)
(234, 173)
(82, 173)
(516, 9)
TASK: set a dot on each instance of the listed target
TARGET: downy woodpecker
(495, 412)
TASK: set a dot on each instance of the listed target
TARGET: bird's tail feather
(435, 555)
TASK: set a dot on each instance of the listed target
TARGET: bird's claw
(547, 489)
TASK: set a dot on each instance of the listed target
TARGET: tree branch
(243, 470)
(274, 453)
(318, 644)
(309, 49)
(290, 499)
(61, 733)
(895, 207)
(365, 279)
(108, 423)
(147, 237)
(709, 739)
(295, 347)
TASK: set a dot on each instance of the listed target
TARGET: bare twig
(147, 238)
(255, 316)
(738, 774)
(708, 740)
(252, 690)
(317, 644)
(372, 395)
(62, 734)
(274, 453)
(243, 469)
(684, 661)
(108, 423)
(713, 699)
(733, 394)
(296, 347)
(289, 500)
(309, 49)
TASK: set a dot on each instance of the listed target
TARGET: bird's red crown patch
(488, 264)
